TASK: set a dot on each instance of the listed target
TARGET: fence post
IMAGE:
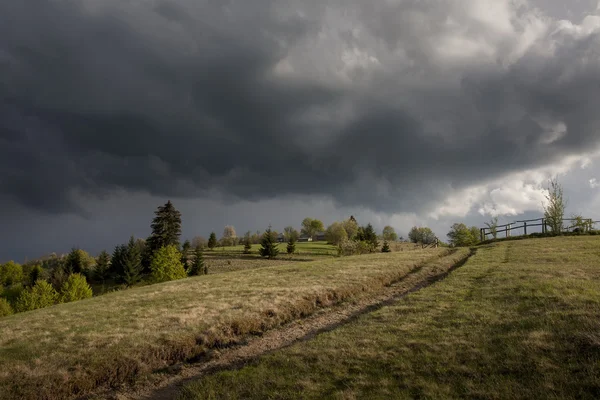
(543, 225)
(525, 228)
(481, 234)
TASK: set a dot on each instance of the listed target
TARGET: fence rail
(507, 229)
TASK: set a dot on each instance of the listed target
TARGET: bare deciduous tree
(554, 210)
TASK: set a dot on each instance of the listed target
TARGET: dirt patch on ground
(167, 384)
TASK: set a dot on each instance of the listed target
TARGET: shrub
(352, 247)
(5, 308)
(166, 265)
(41, 295)
(75, 288)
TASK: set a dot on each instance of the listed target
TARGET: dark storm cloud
(181, 98)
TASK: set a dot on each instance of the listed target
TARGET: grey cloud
(179, 98)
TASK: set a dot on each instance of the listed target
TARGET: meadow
(519, 320)
(72, 349)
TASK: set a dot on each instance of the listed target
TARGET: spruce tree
(35, 274)
(291, 246)
(117, 262)
(75, 263)
(269, 245)
(247, 244)
(198, 266)
(212, 241)
(386, 247)
(103, 266)
(132, 267)
(166, 228)
(370, 237)
(185, 252)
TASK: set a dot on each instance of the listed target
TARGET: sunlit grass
(519, 320)
(117, 337)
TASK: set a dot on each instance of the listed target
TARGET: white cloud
(512, 194)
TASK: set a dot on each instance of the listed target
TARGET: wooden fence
(529, 226)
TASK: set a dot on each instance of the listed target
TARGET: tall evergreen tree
(35, 274)
(75, 263)
(198, 266)
(132, 267)
(117, 262)
(370, 237)
(185, 253)
(212, 241)
(269, 245)
(103, 266)
(166, 228)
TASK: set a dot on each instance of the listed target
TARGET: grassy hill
(74, 348)
(519, 320)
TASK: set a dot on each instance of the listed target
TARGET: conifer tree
(291, 246)
(212, 241)
(198, 266)
(386, 247)
(185, 252)
(166, 228)
(269, 245)
(74, 264)
(117, 262)
(35, 274)
(247, 243)
(103, 266)
(370, 237)
(132, 267)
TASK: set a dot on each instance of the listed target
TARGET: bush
(166, 265)
(75, 288)
(41, 295)
(353, 247)
(5, 308)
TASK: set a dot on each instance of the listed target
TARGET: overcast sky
(250, 113)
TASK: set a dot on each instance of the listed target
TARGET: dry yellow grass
(73, 348)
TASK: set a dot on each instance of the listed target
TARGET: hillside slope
(72, 349)
(519, 320)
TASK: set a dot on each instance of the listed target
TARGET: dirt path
(167, 386)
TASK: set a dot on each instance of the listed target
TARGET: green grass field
(72, 349)
(519, 320)
(303, 249)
